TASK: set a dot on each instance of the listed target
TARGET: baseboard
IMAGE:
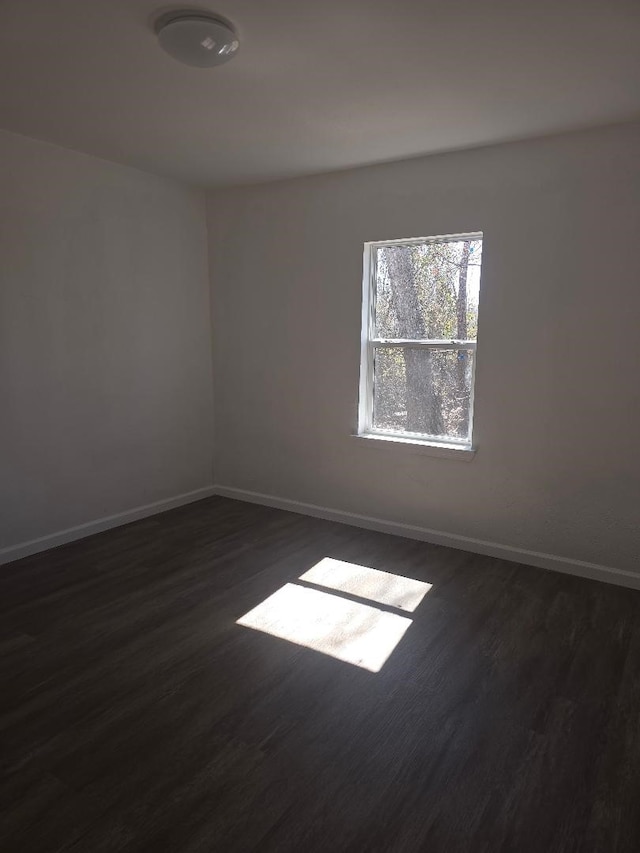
(26, 549)
(592, 571)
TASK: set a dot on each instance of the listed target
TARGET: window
(420, 321)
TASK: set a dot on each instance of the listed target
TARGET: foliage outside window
(420, 324)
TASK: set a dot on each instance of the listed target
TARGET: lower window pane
(424, 391)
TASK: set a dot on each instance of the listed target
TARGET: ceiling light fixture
(197, 38)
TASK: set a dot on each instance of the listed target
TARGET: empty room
(319, 410)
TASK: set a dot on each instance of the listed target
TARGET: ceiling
(315, 86)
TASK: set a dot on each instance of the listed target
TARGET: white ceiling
(316, 85)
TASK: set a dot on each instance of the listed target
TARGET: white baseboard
(25, 549)
(592, 571)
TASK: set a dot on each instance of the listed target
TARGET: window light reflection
(352, 632)
(334, 624)
(382, 587)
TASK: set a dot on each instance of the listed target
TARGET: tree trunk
(462, 332)
(424, 409)
(461, 305)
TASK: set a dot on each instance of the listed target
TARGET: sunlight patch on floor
(332, 622)
(352, 632)
(382, 587)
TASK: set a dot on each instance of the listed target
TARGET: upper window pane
(428, 290)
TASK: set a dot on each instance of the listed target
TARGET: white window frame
(370, 342)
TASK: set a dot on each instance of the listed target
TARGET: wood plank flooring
(137, 716)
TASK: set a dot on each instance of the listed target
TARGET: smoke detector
(197, 38)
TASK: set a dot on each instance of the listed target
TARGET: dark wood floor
(137, 716)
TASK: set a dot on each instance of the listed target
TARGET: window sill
(425, 448)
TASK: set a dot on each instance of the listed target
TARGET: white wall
(105, 361)
(558, 371)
